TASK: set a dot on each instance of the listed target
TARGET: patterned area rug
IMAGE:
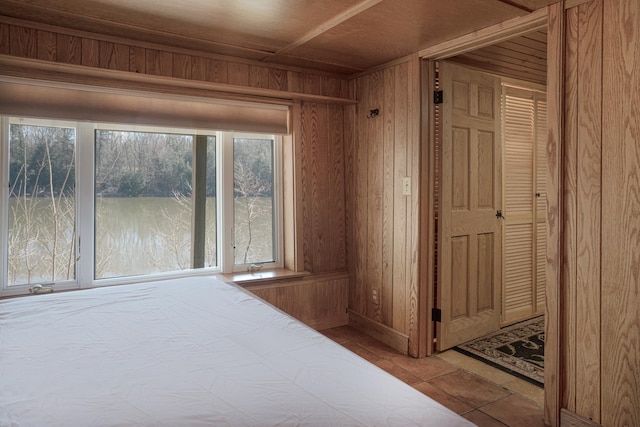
(517, 349)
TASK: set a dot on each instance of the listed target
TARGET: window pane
(41, 234)
(253, 201)
(143, 203)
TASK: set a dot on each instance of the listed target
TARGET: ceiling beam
(327, 25)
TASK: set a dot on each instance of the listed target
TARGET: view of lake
(134, 236)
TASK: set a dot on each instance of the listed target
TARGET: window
(41, 208)
(143, 202)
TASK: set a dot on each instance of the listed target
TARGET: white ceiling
(340, 36)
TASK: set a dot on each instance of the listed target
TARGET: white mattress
(187, 352)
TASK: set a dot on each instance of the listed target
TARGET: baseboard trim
(571, 419)
(381, 332)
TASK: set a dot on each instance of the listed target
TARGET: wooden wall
(319, 300)
(382, 223)
(323, 187)
(38, 41)
(599, 205)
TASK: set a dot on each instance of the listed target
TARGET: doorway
(497, 169)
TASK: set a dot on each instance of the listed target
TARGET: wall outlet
(374, 296)
(406, 186)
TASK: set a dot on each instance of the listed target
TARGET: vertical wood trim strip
(555, 89)
(588, 221)
(417, 296)
(569, 276)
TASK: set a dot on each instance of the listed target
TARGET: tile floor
(483, 394)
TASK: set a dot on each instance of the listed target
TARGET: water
(133, 236)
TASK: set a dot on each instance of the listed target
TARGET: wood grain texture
(401, 130)
(335, 145)
(238, 74)
(137, 60)
(360, 295)
(350, 137)
(181, 66)
(319, 301)
(571, 419)
(23, 42)
(417, 316)
(69, 49)
(523, 58)
(383, 243)
(90, 52)
(620, 294)
(555, 110)
(389, 185)
(319, 189)
(375, 187)
(569, 269)
(589, 216)
(47, 45)
(323, 187)
(5, 48)
(114, 56)
(50, 43)
(158, 63)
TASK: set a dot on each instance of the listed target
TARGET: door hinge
(437, 97)
(436, 315)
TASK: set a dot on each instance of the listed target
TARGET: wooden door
(524, 138)
(470, 251)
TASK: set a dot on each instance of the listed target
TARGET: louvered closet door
(524, 130)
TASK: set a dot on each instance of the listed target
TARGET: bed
(187, 352)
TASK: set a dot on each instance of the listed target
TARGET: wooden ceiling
(338, 36)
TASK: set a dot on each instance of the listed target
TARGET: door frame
(550, 17)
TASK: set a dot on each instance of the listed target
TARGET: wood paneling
(620, 193)
(381, 153)
(523, 58)
(323, 187)
(69, 49)
(48, 43)
(597, 285)
(554, 300)
(319, 301)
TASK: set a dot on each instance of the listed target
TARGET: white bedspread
(187, 352)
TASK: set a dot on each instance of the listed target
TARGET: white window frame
(85, 204)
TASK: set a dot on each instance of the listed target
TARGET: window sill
(264, 276)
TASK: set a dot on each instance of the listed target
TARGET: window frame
(85, 204)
